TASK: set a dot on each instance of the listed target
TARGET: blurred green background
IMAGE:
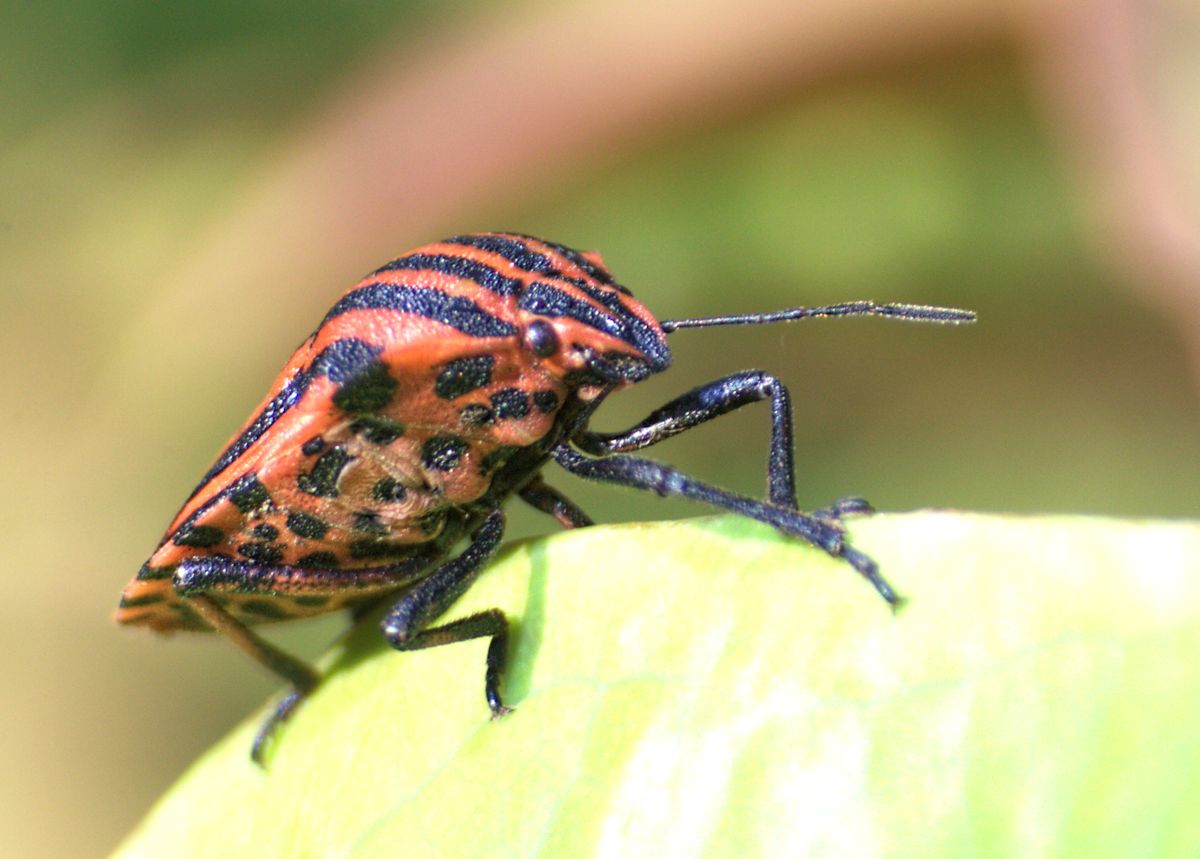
(186, 188)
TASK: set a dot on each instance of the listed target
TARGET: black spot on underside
(267, 554)
(363, 381)
(377, 429)
(322, 480)
(248, 494)
(463, 375)
(510, 403)
(369, 391)
(265, 531)
(546, 401)
(313, 446)
(306, 525)
(443, 452)
(387, 490)
(198, 536)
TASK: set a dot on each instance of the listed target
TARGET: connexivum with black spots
(436, 388)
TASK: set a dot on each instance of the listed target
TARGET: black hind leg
(302, 677)
(202, 578)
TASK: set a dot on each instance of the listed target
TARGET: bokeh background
(185, 188)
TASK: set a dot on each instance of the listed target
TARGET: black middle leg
(704, 403)
(404, 627)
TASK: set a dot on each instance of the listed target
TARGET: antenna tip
(929, 313)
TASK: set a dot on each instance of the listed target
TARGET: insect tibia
(912, 312)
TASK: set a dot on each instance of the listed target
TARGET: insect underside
(435, 389)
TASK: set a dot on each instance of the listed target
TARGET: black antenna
(914, 312)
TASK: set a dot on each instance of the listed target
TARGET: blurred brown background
(185, 190)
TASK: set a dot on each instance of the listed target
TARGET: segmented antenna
(914, 312)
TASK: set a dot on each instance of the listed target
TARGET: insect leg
(404, 626)
(549, 500)
(302, 677)
(643, 474)
(704, 403)
(198, 577)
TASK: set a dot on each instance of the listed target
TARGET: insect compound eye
(541, 338)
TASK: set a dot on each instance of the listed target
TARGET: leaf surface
(708, 688)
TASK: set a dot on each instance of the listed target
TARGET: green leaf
(707, 688)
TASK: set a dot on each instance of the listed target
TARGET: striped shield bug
(433, 390)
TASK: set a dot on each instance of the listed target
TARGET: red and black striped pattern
(430, 391)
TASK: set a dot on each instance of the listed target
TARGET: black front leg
(704, 403)
(405, 625)
(639, 473)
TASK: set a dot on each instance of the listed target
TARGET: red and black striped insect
(433, 390)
